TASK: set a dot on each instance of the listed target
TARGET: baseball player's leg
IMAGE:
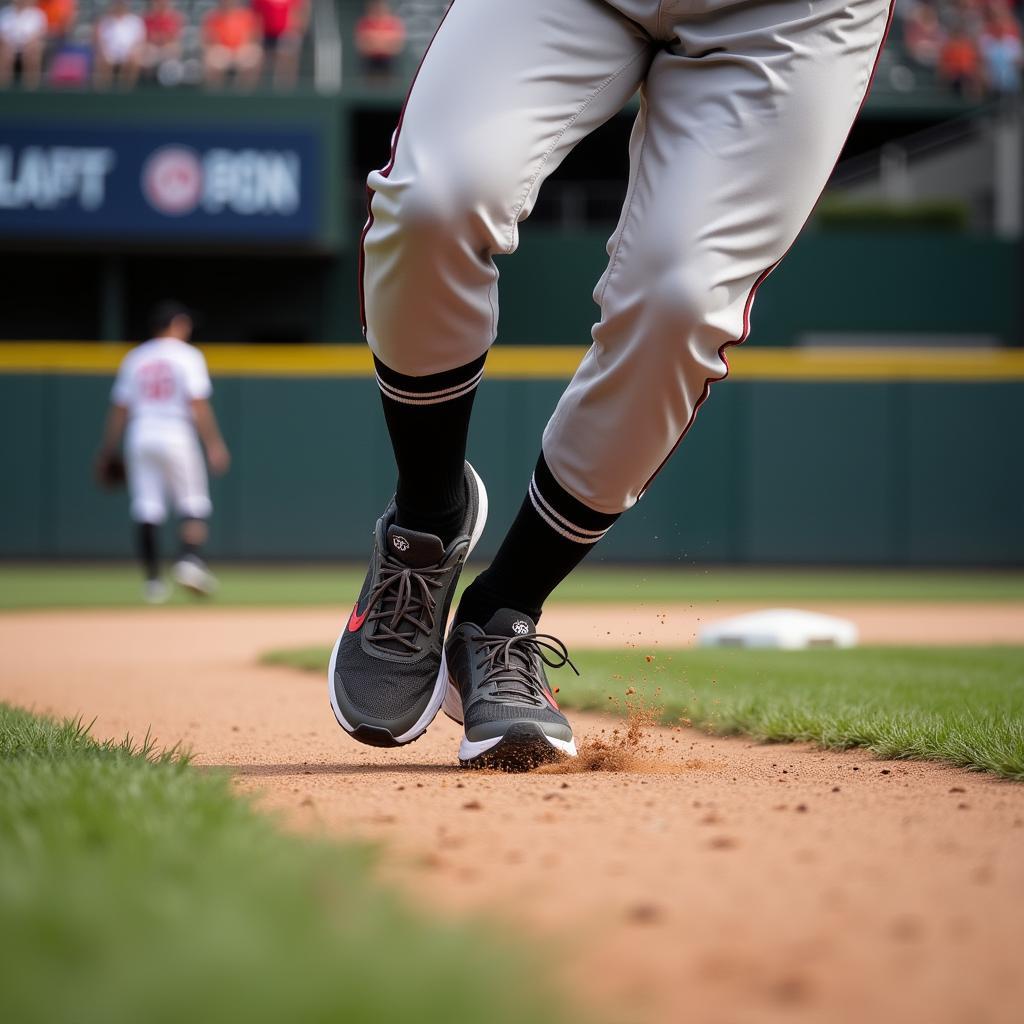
(743, 118)
(504, 92)
(144, 469)
(187, 480)
(148, 510)
(147, 547)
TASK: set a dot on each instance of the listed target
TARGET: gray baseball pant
(745, 106)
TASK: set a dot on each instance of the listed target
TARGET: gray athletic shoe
(386, 675)
(499, 692)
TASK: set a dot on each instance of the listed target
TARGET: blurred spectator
(284, 24)
(231, 42)
(380, 38)
(960, 64)
(923, 34)
(69, 62)
(119, 44)
(1002, 52)
(60, 16)
(22, 38)
(161, 55)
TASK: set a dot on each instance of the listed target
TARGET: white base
(782, 628)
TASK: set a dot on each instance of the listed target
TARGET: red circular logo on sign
(172, 180)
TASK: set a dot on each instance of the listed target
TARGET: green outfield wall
(913, 459)
(940, 287)
(849, 282)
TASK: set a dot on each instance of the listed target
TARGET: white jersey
(157, 381)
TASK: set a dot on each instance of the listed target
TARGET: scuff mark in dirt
(639, 744)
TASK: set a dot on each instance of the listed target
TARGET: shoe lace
(403, 605)
(511, 665)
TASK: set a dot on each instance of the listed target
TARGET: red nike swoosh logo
(551, 700)
(355, 622)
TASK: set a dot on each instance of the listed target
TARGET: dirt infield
(710, 880)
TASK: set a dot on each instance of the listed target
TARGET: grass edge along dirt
(25, 585)
(135, 887)
(959, 705)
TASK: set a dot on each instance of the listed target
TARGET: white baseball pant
(161, 461)
(745, 106)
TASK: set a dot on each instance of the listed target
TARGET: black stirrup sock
(552, 533)
(428, 420)
(146, 544)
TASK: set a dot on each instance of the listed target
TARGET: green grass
(964, 705)
(135, 888)
(117, 585)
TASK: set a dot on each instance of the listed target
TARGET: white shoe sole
(437, 697)
(470, 749)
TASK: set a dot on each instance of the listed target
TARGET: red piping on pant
(757, 284)
(385, 172)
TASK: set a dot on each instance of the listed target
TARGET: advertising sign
(158, 183)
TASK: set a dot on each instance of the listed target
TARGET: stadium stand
(937, 48)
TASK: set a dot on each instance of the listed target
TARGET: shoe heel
(481, 516)
(452, 703)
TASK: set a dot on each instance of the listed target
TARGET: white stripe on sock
(429, 397)
(555, 521)
(568, 523)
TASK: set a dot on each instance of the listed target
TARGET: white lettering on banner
(44, 177)
(248, 181)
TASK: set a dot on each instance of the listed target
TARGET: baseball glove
(110, 473)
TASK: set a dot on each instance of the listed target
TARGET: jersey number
(156, 381)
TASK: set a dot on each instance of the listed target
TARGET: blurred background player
(160, 404)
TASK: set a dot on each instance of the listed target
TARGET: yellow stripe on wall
(540, 362)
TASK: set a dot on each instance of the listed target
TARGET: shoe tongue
(416, 550)
(507, 622)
